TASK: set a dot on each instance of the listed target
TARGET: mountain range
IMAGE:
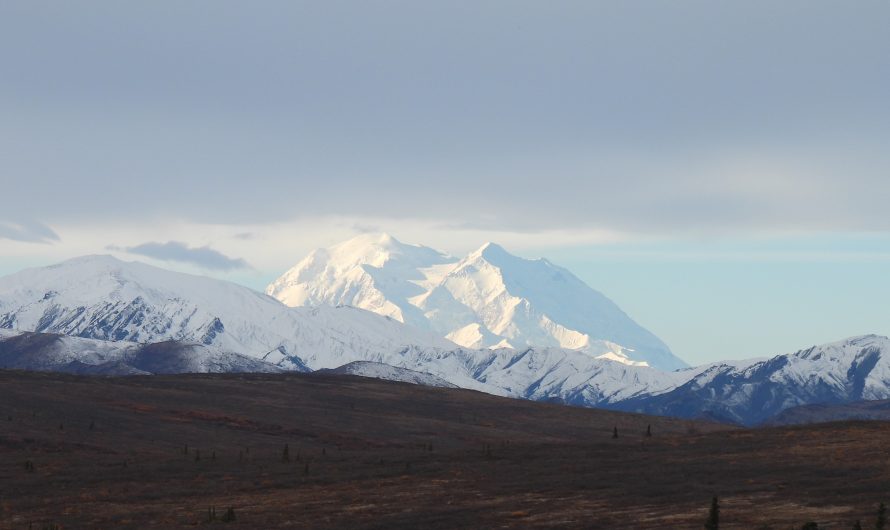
(100, 315)
(488, 299)
(101, 297)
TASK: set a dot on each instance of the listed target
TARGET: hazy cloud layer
(656, 117)
(204, 257)
(27, 231)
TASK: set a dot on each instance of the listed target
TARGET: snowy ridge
(373, 272)
(751, 392)
(104, 298)
(50, 352)
(489, 299)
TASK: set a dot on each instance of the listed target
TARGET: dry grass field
(164, 451)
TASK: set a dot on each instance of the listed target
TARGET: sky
(719, 169)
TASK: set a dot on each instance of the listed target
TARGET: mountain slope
(372, 271)
(751, 392)
(23, 350)
(489, 299)
(104, 298)
(820, 413)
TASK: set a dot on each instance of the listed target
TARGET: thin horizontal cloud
(364, 228)
(204, 257)
(28, 232)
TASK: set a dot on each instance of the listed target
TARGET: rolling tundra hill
(338, 451)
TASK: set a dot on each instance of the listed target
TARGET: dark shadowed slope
(859, 410)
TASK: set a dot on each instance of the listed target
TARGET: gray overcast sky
(258, 130)
(644, 116)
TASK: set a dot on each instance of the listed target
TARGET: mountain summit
(488, 299)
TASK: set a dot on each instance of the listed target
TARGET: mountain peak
(488, 298)
(491, 251)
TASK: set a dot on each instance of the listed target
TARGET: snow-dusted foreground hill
(24, 350)
(101, 297)
(748, 392)
(489, 299)
(751, 392)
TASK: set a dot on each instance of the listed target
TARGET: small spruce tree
(649, 431)
(713, 522)
(615, 432)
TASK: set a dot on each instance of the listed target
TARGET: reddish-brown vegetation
(371, 454)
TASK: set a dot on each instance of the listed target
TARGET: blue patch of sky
(749, 298)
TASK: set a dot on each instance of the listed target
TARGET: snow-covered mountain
(101, 297)
(751, 392)
(489, 299)
(104, 316)
(24, 350)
